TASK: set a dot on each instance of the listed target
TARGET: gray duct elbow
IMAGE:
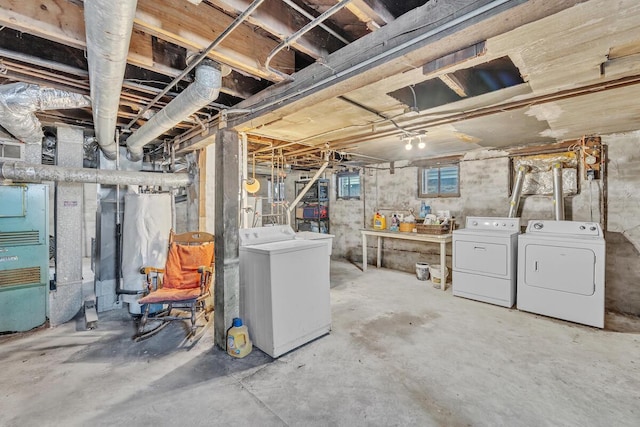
(204, 90)
(20, 101)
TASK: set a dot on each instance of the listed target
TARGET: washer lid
(285, 246)
(261, 235)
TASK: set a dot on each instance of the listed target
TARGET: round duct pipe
(20, 171)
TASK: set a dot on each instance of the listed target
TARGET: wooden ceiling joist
(374, 16)
(193, 28)
(278, 19)
(180, 23)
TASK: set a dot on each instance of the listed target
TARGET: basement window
(441, 180)
(348, 185)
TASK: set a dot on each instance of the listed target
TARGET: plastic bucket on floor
(436, 275)
(422, 271)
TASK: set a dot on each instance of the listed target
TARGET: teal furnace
(24, 256)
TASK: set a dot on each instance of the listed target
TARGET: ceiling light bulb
(409, 146)
(421, 145)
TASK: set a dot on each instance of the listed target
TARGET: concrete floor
(400, 353)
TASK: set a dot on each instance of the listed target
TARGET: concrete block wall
(484, 191)
(622, 290)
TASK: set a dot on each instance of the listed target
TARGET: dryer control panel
(492, 223)
(573, 228)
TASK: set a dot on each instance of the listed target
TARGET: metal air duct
(108, 25)
(558, 197)
(19, 101)
(517, 192)
(24, 172)
(199, 94)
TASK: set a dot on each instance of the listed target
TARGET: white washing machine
(561, 271)
(484, 260)
(323, 237)
(284, 288)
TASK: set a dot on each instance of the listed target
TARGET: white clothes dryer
(484, 260)
(561, 271)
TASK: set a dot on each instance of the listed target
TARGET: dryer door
(558, 268)
(486, 255)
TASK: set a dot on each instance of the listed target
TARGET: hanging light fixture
(252, 185)
(409, 145)
(421, 144)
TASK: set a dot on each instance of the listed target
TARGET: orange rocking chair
(182, 287)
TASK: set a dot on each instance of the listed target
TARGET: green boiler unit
(24, 256)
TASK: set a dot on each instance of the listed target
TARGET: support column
(226, 291)
(207, 188)
(66, 300)
(193, 193)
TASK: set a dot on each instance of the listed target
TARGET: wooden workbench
(442, 239)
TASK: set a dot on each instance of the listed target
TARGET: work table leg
(379, 250)
(364, 252)
(443, 265)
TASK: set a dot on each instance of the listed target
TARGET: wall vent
(11, 151)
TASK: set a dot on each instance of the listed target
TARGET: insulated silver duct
(199, 94)
(19, 101)
(514, 203)
(21, 171)
(108, 25)
(558, 197)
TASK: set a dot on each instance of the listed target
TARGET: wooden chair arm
(147, 270)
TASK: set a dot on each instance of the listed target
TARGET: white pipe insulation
(558, 195)
(22, 172)
(19, 102)
(108, 25)
(199, 94)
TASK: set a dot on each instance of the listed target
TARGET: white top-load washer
(561, 271)
(484, 260)
(284, 288)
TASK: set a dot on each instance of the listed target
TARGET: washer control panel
(493, 223)
(576, 228)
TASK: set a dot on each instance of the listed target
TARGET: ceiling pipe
(302, 31)
(353, 68)
(19, 102)
(235, 24)
(309, 16)
(108, 25)
(558, 196)
(21, 171)
(197, 95)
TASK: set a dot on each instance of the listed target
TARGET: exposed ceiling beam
(374, 16)
(278, 19)
(180, 23)
(194, 27)
(373, 57)
(454, 84)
